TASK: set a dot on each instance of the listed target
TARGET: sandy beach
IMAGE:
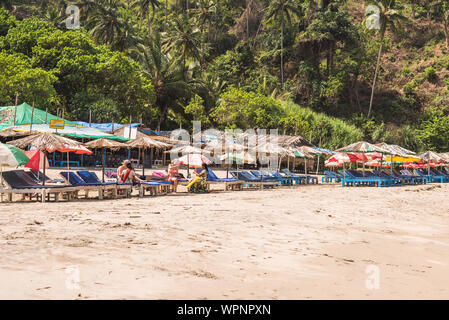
(306, 242)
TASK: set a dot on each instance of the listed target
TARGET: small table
(64, 163)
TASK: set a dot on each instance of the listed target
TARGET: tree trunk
(282, 53)
(166, 7)
(413, 9)
(446, 33)
(375, 75)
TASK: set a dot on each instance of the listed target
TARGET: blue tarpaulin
(105, 127)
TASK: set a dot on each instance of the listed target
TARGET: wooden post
(45, 161)
(90, 117)
(32, 115)
(15, 109)
(143, 162)
(103, 157)
(130, 122)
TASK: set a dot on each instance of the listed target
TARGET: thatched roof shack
(293, 141)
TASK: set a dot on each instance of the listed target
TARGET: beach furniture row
(385, 178)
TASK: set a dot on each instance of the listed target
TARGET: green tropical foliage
(303, 66)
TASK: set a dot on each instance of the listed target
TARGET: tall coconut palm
(165, 72)
(184, 37)
(388, 17)
(282, 11)
(144, 6)
(106, 23)
(205, 13)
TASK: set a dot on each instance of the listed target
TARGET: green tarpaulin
(24, 113)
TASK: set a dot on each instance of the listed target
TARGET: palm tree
(184, 37)
(86, 8)
(144, 6)
(205, 13)
(165, 72)
(388, 18)
(282, 11)
(54, 16)
(106, 23)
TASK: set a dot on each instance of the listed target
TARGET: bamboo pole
(15, 108)
(45, 161)
(32, 115)
(143, 162)
(103, 161)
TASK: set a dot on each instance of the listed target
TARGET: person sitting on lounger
(172, 175)
(129, 175)
(199, 183)
(121, 169)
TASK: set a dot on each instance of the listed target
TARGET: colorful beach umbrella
(49, 142)
(362, 147)
(11, 156)
(192, 160)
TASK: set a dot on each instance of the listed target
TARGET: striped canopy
(363, 147)
(12, 156)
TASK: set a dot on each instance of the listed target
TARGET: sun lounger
(263, 176)
(73, 179)
(229, 183)
(298, 178)
(286, 181)
(432, 176)
(20, 183)
(249, 180)
(330, 176)
(394, 181)
(355, 178)
(406, 178)
(418, 178)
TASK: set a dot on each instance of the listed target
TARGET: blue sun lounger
(432, 177)
(229, 183)
(297, 178)
(354, 178)
(21, 183)
(330, 176)
(91, 177)
(285, 181)
(249, 180)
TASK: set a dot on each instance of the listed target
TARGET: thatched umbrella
(143, 142)
(431, 156)
(9, 133)
(49, 142)
(310, 152)
(363, 147)
(104, 144)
